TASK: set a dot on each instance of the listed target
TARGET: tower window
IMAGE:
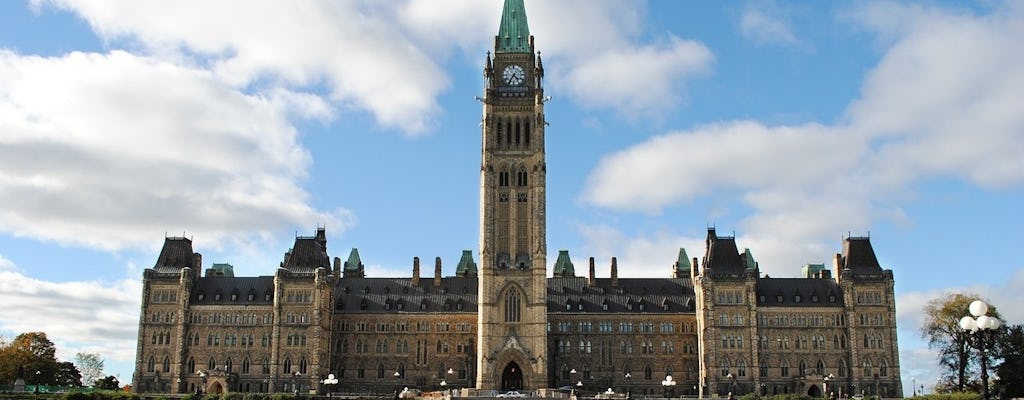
(521, 177)
(512, 305)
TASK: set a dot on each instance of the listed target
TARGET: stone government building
(717, 325)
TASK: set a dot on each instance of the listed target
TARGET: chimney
(591, 280)
(437, 271)
(337, 267)
(415, 271)
(826, 274)
(197, 260)
(615, 272)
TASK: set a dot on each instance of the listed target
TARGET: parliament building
(714, 325)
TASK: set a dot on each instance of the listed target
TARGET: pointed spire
(354, 266)
(467, 267)
(514, 31)
(563, 265)
(682, 267)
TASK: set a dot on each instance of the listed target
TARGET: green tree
(942, 329)
(1010, 348)
(30, 356)
(108, 383)
(91, 366)
(67, 375)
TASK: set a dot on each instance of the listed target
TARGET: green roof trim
(467, 267)
(683, 262)
(751, 264)
(514, 31)
(563, 265)
(353, 262)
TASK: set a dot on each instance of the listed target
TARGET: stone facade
(718, 325)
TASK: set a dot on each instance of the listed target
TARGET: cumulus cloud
(643, 255)
(940, 103)
(764, 23)
(106, 314)
(106, 150)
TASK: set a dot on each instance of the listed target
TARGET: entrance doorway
(512, 377)
(813, 391)
(215, 388)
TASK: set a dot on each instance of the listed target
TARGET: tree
(91, 366)
(108, 383)
(67, 375)
(1010, 348)
(28, 354)
(942, 329)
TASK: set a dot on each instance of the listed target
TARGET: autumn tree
(31, 356)
(91, 366)
(942, 329)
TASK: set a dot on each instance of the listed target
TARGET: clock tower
(512, 319)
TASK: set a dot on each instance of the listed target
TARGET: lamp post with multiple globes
(980, 328)
(330, 380)
(669, 385)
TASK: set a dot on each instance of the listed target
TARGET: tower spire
(514, 31)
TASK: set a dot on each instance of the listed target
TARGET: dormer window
(778, 298)
(459, 305)
(387, 304)
(201, 296)
(423, 305)
(629, 305)
(363, 304)
(831, 298)
(568, 305)
(267, 297)
(216, 296)
(796, 299)
(234, 297)
(579, 305)
(814, 298)
(401, 305)
(604, 305)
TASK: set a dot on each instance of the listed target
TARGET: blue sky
(242, 124)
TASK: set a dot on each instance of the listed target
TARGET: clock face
(513, 75)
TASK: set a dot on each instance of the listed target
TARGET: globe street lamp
(980, 329)
(202, 382)
(330, 380)
(669, 385)
(295, 383)
(825, 385)
(629, 376)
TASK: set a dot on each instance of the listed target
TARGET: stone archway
(512, 377)
(215, 388)
(813, 391)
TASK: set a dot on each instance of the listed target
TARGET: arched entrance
(512, 377)
(215, 388)
(814, 391)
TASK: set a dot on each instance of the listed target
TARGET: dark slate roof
(383, 295)
(722, 254)
(176, 254)
(308, 254)
(859, 256)
(209, 286)
(789, 288)
(654, 292)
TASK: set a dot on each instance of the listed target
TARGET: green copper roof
(224, 269)
(813, 270)
(467, 267)
(563, 265)
(683, 262)
(751, 264)
(514, 31)
(353, 260)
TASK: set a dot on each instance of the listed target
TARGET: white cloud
(940, 103)
(5, 264)
(636, 255)
(108, 150)
(766, 24)
(105, 314)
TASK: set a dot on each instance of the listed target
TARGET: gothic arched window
(513, 300)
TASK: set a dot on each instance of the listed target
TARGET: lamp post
(36, 391)
(913, 386)
(202, 382)
(980, 329)
(330, 380)
(177, 385)
(669, 385)
(628, 377)
(295, 383)
(397, 384)
(827, 379)
(732, 382)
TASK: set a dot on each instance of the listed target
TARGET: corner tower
(512, 317)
